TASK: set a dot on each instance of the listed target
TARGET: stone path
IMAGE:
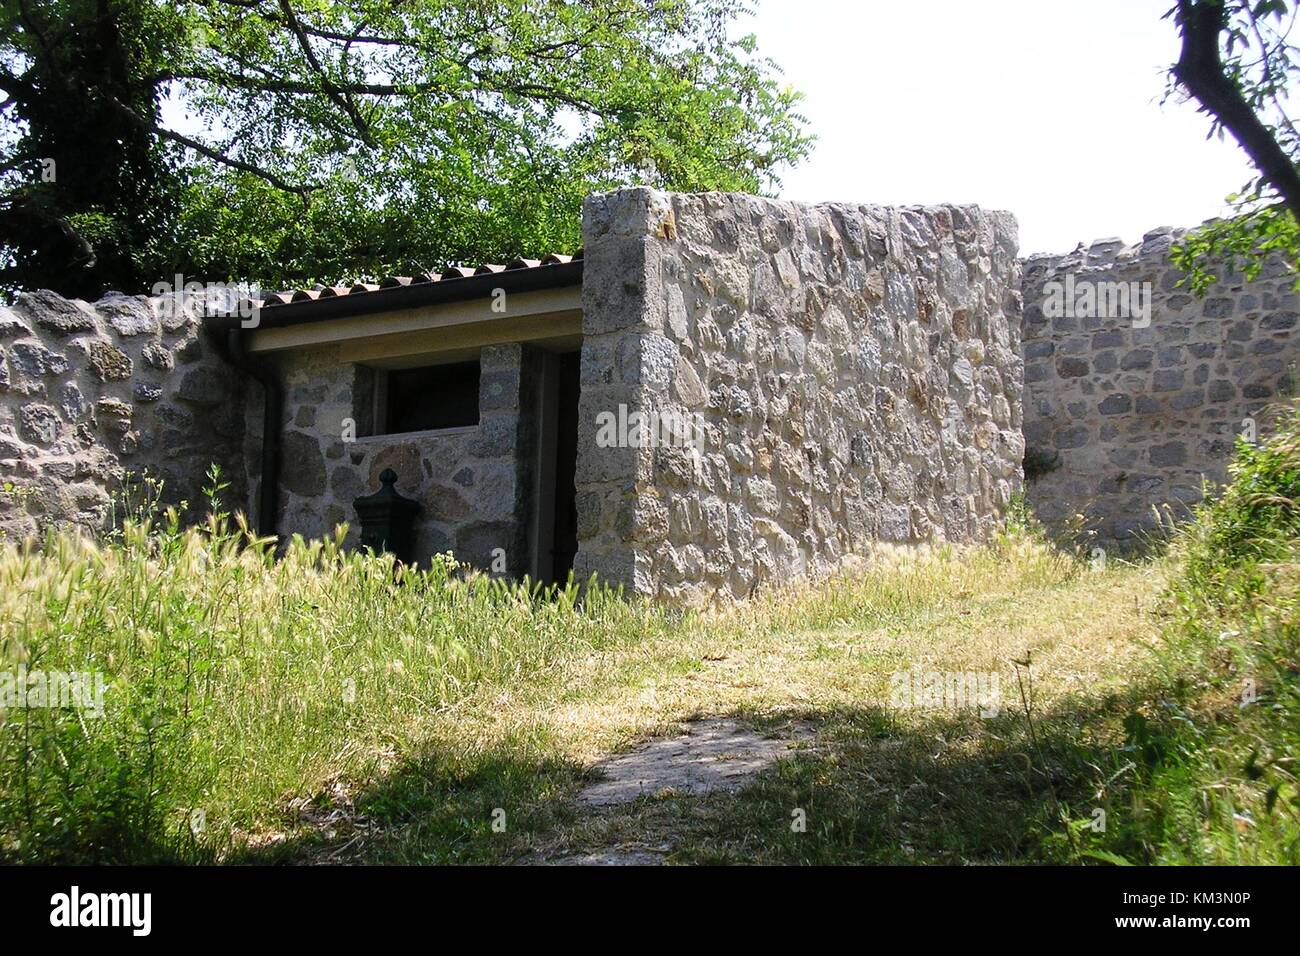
(713, 754)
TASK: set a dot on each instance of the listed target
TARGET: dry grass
(319, 707)
(957, 613)
(823, 655)
(317, 710)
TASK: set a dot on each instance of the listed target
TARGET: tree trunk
(1200, 71)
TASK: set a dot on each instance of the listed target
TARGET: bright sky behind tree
(1048, 108)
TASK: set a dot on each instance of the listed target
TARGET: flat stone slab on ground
(715, 754)
(613, 856)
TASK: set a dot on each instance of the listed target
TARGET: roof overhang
(376, 337)
(379, 326)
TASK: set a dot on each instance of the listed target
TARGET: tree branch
(1200, 70)
(216, 156)
(341, 99)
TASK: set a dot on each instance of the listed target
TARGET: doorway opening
(564, 535)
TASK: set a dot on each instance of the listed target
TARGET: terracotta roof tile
(450, 274)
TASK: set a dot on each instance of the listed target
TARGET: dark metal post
(387, 518)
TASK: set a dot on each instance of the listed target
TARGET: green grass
(1216, 751)
(321, 706)
(240, 684)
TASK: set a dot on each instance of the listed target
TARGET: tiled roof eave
(394, 293)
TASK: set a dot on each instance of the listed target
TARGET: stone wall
(854, 372)
(472, 482)
(90, 393)
(850, 374)
(1127, 411)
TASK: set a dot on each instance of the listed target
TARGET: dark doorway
(565, 536)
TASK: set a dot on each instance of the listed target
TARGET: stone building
(464, 384)
(722, 391)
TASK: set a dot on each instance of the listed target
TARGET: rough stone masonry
(92, 394)
(849, 374)
(1132, 406)
(469, 481)
(854, 374)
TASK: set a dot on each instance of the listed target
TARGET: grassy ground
(877, 784)
(315, 708)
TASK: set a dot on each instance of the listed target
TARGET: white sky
(1047, 108)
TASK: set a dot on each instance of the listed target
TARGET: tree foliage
(1237, 60)
(286, 141)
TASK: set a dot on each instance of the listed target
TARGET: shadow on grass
(876, 786)
(438, 808)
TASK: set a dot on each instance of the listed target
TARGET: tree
(287, 141)
(79, 187)
(1237, 60)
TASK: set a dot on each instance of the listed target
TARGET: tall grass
(1216, 755)
(237, 677)
(244, 678)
